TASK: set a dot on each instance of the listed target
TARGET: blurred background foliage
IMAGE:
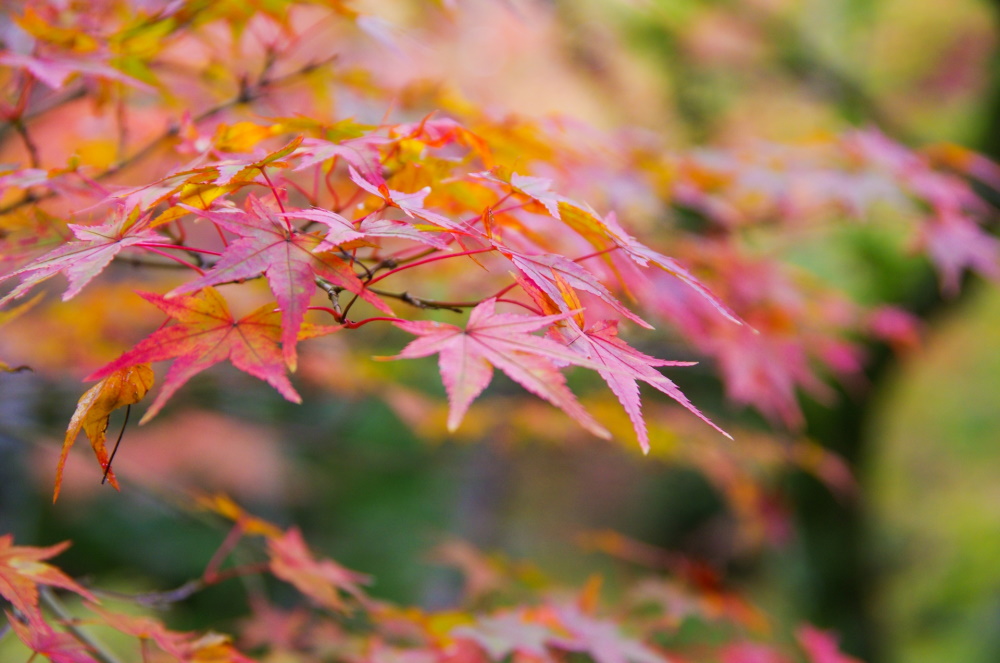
(904, 567)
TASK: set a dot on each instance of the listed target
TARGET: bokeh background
(904, 566)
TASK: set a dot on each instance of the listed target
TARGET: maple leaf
(213, 648)
(602, 639)
(957, 243)
(360, 153)
(22, 570)
(467, 357)
(509, 633)
(324, 580)
(536, 188)
(205, 334)
(821, 646)
(82, 260)
(549, 271)
(54, 71)
(144, 628)
(290, 260)
(227, 508)
(58, 647)
(623, 366)
(643, 255)
(342, 230)
(410, 204)
(123, 387)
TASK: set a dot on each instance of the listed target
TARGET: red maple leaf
(322, 580)
(205, 334)
(623, 365)
(82, 260)
(290, 260)
(22, 570)
(467, 357)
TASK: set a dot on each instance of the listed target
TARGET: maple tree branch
(29, 144)
(188, 589)
(247, 94)
(420, 302)
(98, 649)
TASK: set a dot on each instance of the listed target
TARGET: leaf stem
(430, 260)
(178, 247)
(177, 259)
(277, 198)
(354, 325)
(107, 470)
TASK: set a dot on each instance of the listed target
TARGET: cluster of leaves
(342, 621)
(258, 226)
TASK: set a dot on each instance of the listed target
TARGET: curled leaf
(122, 387)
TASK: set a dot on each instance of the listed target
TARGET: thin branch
(188, 589)
(29, 144)
(247, 94)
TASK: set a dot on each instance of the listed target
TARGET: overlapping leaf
(410, 204)
(342, 230)
(290, 260)
(548, 270)
(205, 334)
(467, 357)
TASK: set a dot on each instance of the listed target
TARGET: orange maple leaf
(21, 571)
(123, 387)
(207, 333)
(321, 580)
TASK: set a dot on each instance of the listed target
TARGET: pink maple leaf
(602, 639)
(821, 646)
(290, 260)
(509, 633)
(54, 72)
(342, 230)
(956, 243)
(643, 255)
(411, 204)
(623, 366)
(81, 260)
(467, 357)
(536, 188)
(359, 153)
(546, 270)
